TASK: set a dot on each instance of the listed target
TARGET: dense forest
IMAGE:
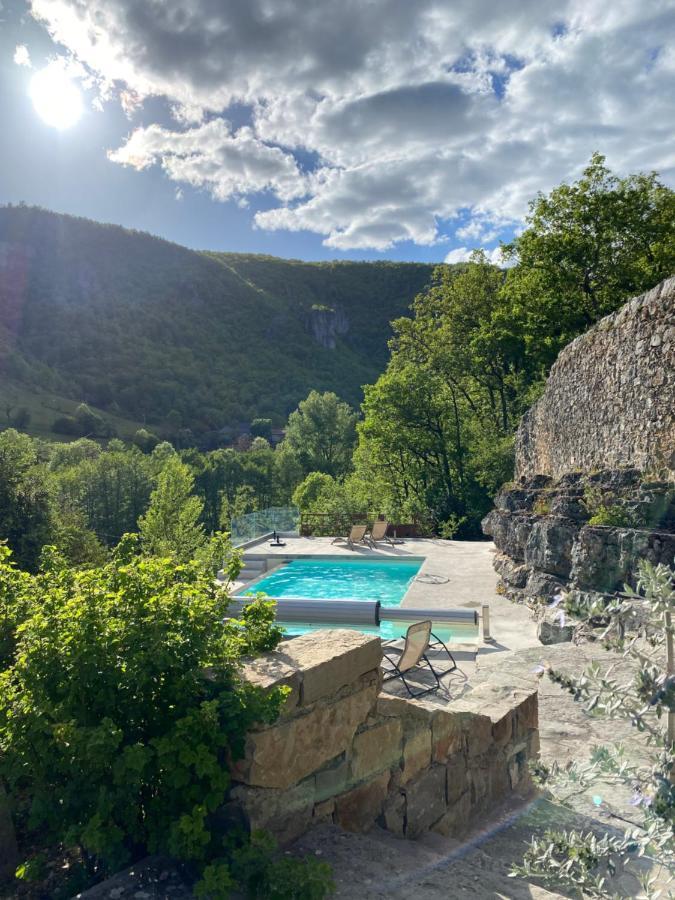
(434, 437)
(153, 332)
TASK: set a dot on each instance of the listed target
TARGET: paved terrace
(467, 565)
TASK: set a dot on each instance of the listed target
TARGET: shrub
(646, 699)
(616, 516)
(112, 737)
(541, 507)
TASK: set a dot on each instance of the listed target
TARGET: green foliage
(641, 624)
(572, 857)
(110, 489)
(321, 432)
(604, 510)
(179, 339)
(26, 517)
(588, 248)
(438, 424)
(120, 705)
(170, 526)
(262, 428)
(265, 874)
(437, 429)
(612, 515)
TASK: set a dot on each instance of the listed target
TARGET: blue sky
(386, 130)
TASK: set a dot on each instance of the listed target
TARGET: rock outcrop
(595, 460)
(326, 324)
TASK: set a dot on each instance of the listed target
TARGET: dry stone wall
(344, 752)
(595, 460)
(609, 398)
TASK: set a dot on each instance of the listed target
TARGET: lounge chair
(419, 639)
(356, 536)
(379, 533)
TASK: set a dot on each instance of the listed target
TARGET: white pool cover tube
(356, 612)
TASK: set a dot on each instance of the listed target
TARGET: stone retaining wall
(344, 752)
(608, 401)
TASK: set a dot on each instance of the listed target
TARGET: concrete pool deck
(467, 565)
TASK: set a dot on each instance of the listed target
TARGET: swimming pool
(340, 579)
(347, 579)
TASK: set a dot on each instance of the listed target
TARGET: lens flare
(56, 98)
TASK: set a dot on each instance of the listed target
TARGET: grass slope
(150, 331)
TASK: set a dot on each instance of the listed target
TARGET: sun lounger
(418, 640)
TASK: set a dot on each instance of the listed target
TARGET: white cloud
(211, 156)
(464, 254)
(410, 114)
(21, 55)
(458, 255)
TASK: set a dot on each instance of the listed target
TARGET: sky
(364, 129)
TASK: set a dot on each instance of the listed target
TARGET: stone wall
(595, 464)
(345, 752)
(609, 400)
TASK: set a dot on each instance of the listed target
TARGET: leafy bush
(646, 699)
(616, 516)
(120, 703)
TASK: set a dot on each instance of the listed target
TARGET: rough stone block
(285, 814)
(358, 809)
(416, 753)
(425, 800)
(551, 631)
(455, 821)
(456, 778)
(268, 672)
(502, 729)
(376, 749)
(447, 735)
(549, 545)
(527, 713)
(394, 813)
(329, 660)
(292, 749)
(323, 812)
(332, 779)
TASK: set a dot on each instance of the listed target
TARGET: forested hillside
(153, 332)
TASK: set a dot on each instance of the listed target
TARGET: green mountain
(150, 331)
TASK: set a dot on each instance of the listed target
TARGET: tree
(436, 436)
(110, 489)
(145, 440)
(322, 433)
(588, 248)
(262, 428)
(171, 525)
(26, 520)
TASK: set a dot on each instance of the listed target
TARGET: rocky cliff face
(609, 399)
(326, 324)
(545, 531)
(595, 460)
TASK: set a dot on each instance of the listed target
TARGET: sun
(56, 98)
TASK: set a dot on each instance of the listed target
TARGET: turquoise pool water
(340, 579)
(353, 579)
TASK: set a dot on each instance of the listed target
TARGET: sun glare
(56, 98)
